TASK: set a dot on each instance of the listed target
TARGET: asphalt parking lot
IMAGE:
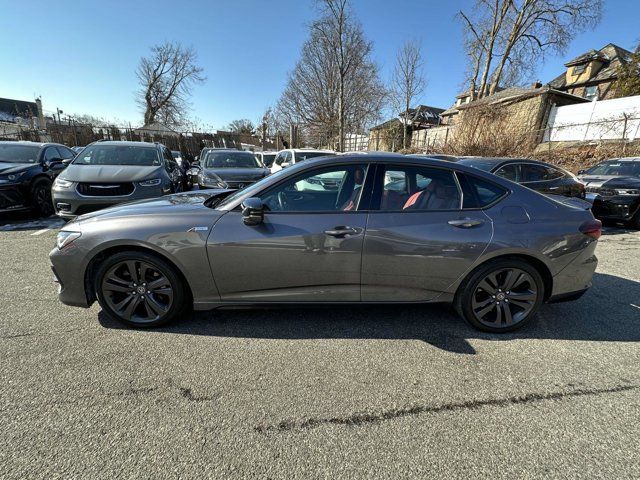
(391, 392)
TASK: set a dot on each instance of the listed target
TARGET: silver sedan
(350, 229)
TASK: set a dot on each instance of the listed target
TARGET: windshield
(626, 169)
(15, 153)
(231, 160)
(478, 163)
(250, 190)
(300, 156)
(118, 155)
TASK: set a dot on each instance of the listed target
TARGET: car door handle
(465, 223)
(342, 231)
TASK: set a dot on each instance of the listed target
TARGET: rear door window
(479, 193)
(416, 188)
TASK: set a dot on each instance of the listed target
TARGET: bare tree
(243, 125)
(512, 36)
(335, 85)
(166, 78)
(407, 82)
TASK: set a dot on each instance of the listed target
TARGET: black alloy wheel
(139, 289)
(41, 198)
(501, 296)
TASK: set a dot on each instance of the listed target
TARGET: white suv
(286, 158)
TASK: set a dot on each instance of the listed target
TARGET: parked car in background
(539, 176)
(230, 169)
(266, 158)
(286, 158)
(614, 188)
(447, 236)
(109, 172)
(27, 171)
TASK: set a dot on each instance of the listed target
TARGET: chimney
(537, 84)
(41, 124)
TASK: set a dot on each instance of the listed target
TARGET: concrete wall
(593, 121)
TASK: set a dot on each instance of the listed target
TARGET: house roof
(387, 124)
(516, 94)
(423, 114)
(612, 57)
(9, 109)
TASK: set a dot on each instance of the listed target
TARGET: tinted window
(100, 154)
(478, 193)
(336, 188)
(51, 153)
(482, 164)
(221, 159)
(65, 153)
(267, 158)
(407, 188)
(510, 172)
(539, 173)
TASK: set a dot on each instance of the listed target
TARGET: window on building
(578, 69)
(591, 92)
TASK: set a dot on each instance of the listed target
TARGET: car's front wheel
(501, 295)
(41, 197)
(139, 289)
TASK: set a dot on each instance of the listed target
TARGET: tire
(41, 197)
(493, 300)
(134, 299)
(635, 221)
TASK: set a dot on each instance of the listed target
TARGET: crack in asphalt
(359, 419)
(130, 391)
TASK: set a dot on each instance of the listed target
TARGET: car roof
(127, 143)
(32, 144)
(623, 159)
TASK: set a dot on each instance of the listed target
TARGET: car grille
(105, 189)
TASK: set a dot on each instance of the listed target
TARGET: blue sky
(81, 56)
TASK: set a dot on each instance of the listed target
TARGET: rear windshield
(231, 160)
(10, 153)
(118, 155)
(625, 169)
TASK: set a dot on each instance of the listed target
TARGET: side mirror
(252, 211)
(67, 161)
(52, 162)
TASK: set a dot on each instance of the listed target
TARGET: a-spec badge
(198, 229)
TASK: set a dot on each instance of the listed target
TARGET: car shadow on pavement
(605, 313)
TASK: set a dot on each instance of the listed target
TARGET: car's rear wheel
(139, 289)
(501, 295)
(41, 197)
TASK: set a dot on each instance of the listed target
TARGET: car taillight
(592, 228)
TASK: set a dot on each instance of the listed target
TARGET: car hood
(109, 173)
(237, 173)
(8, 168)
(177, 205)
(611, 181)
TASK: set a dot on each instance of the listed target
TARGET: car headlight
(150, 183)
(14, 176)
(65, 238)
(61, 184)
(627, 191)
